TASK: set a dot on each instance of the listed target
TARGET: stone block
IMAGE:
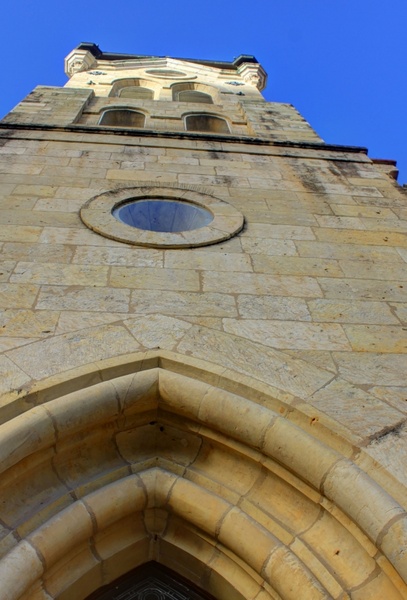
(357, 410)
(61, 532)
(72, 350)
(19, 233)
(293, 265)
(285, 232)
(291, 579)
(255, 360)
(363, 289)
(147, 278)
(350, 311)
(246, 538)
(268, 247)
(345, 251)
(372, 368)
(206, 261)
(28, 323)
(261, 284)
(336, 548)
(379, 587)
(82, 298)
(374, 509)
(30, 252)
(290, 334)
(289, 445)
(369, 270)
(272, 307)
(354, 236)
(19, 570)
(59, 274)
(76, 574)
(158, 331)
(377, 338)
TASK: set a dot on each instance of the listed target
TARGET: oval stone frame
(96, 214)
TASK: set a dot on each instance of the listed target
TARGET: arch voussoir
(146, 452)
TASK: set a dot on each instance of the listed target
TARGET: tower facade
(204, 343)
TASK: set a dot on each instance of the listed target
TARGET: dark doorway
(150, 581)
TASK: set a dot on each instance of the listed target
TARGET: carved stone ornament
(76, 67)
(253, 79)
(253, 74)
(79, 61)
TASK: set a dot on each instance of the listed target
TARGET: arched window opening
(194, 92)
(136, 88)
(194, 96)
(136, 92)
(122, 117)
(206, 123)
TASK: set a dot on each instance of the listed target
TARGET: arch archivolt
(151, 459)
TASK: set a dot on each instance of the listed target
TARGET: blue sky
(340, 62)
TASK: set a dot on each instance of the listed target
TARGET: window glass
(194, 96)
(206, 123)
(160, 214)
(136, 91)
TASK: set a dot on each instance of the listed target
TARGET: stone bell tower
(203, 340)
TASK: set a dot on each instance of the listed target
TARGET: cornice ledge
(233, 139)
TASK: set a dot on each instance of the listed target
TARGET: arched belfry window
(150, 582)
(136, 92)
(206, 123)
(192, 91)
(194, 96)
(122, 117)
(135, 88)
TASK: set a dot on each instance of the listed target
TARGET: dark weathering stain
(392, 431)
(344, 169)
(310, 179)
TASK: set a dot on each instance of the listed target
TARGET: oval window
(161, 216)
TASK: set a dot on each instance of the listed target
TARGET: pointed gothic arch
(131, 462)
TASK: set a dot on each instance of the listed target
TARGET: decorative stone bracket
(253, 74)
(78, 61)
